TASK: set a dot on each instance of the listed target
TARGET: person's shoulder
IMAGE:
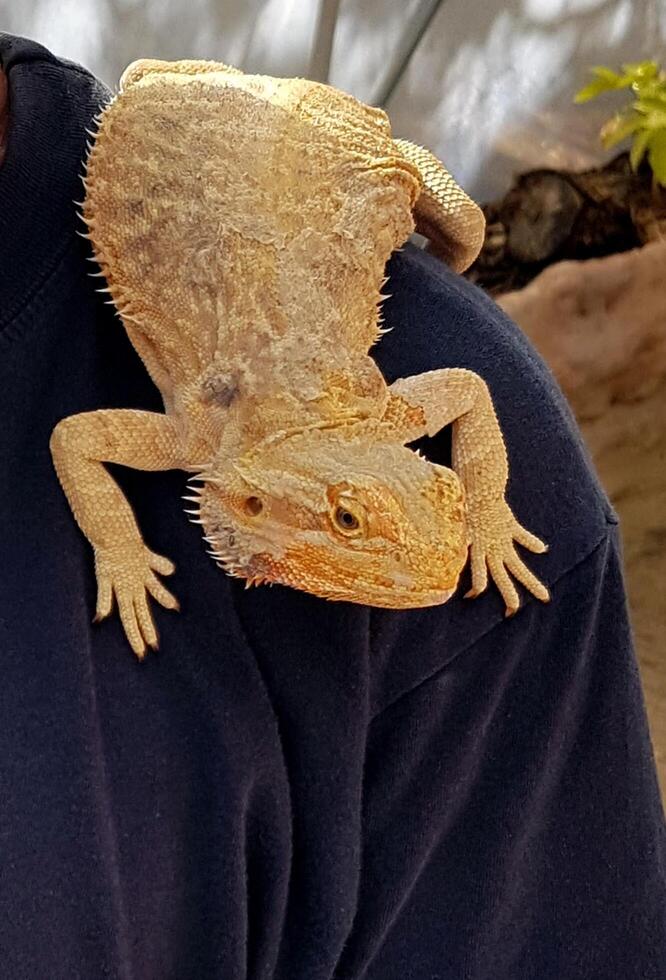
(24, 53)
(437, 319)
(52, 107)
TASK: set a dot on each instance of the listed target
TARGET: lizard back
(247, 216)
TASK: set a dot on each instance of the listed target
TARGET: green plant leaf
(619, 127)
(607, 74)
(592, 90)
(651, 103)
(641, 70)
(605, 81)
(638, 148)
(657, 156)
(653, 88)
(644, 118)
(655, 120)
(651, 108)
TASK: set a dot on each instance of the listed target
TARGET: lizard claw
(493, 551)
(128, 575)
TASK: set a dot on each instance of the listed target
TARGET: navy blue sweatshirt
(291, 788)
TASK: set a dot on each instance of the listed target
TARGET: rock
(600, 324)
(551, 215)
(648, 213)
(539, 213)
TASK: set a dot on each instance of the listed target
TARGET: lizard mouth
(394, 599)
(381, 588)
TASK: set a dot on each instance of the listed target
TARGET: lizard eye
(345, 520)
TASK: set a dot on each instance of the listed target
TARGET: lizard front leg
(124, 566)
(458, 396)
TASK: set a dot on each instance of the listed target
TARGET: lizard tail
(453, 223)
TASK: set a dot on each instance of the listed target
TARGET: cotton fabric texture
(295, 789)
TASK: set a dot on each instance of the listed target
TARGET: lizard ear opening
(444, 214)
(253, 506)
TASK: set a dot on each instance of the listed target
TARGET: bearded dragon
(242, 224)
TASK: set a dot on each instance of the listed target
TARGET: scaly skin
(243, 224)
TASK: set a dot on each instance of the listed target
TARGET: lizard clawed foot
(128, 574)
(492, 550)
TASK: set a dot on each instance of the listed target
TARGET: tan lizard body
(243, 224)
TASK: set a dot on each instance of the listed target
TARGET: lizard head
(340, 516)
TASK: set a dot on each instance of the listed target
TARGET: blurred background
(485, 84)
(576, 243)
